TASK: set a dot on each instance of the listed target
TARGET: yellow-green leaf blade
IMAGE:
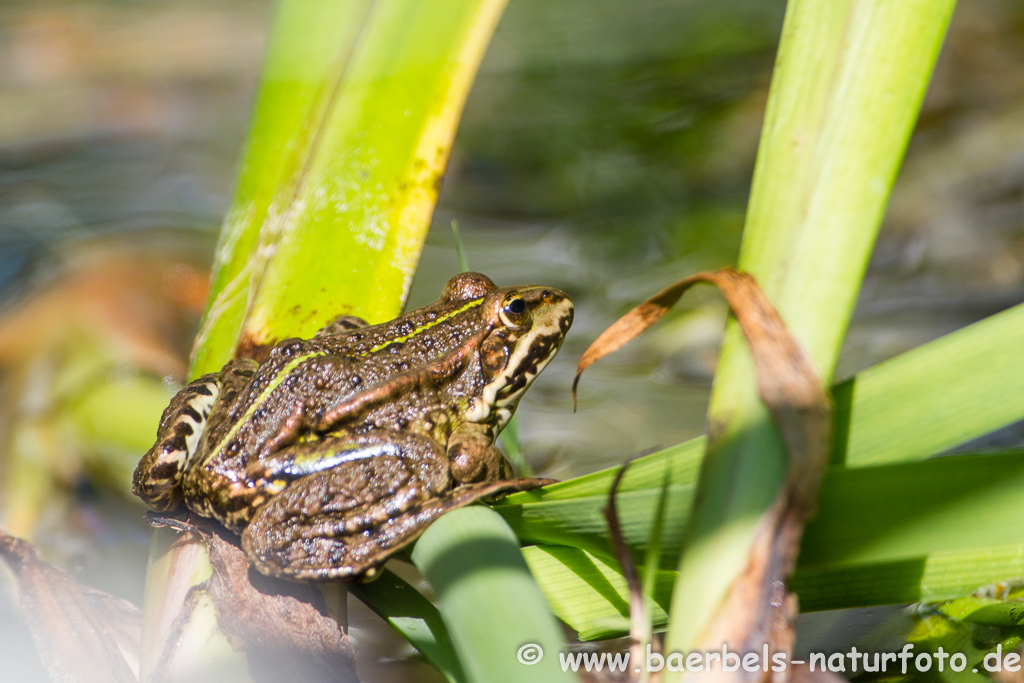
(309, 49)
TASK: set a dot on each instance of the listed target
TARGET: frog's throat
(501, 395)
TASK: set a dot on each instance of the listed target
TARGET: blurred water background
(606, 149)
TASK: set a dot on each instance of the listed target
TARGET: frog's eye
(514, 311)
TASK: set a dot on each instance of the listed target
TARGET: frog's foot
(341, 325)
(282, 541)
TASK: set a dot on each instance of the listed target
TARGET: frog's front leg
(473, 456)
(336, 519)
(157, 478)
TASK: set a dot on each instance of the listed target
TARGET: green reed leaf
(848, 84)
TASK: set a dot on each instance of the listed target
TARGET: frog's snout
(553, 309)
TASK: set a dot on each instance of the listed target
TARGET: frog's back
(327, 373)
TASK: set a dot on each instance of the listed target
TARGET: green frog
(337, 451)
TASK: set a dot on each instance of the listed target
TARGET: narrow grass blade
(639, 615)
(494, 610)
(460, 248)
(509, 437)
(651, 561)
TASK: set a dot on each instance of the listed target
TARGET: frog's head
(525, 327)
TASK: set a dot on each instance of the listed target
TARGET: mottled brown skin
(338, 450)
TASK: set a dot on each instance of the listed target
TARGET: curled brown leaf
(757, 609)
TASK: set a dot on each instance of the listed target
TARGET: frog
(336, 452)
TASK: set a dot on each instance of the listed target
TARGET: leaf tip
(575, 384)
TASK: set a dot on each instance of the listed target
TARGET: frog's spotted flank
(267, 391)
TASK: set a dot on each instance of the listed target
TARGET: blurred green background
(606, 149)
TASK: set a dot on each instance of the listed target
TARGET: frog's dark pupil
(516, 306)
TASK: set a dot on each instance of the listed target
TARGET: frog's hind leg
(344, 522)
(157, 478)
(342, 494)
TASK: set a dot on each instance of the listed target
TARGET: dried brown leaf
(81, 634)
(639, 619)
(137, 303)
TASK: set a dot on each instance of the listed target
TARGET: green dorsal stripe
(423, 328)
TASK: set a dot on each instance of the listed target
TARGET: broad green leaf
(889, 413)
(643, 473)
(353, 125)
(467, 555)
(945, 393)
(935, 575)
(368, 193)
(588, 592)
(578, 522)
(414, 617)
(847, 87)
(352, 128)
(310, 47)
(922, 531)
